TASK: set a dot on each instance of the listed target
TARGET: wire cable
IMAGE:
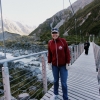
(75, 19)
(71, 7)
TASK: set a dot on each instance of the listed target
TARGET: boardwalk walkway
(82, 80)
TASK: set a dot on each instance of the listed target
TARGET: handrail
(25, 56)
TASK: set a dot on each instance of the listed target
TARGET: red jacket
(58, 52)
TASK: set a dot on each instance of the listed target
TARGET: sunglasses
(54, 33)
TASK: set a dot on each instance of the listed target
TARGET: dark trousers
(86, 51)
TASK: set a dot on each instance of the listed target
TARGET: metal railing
(96, 49)
(28, 77)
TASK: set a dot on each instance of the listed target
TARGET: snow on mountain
(16, 27)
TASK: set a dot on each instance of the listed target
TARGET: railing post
(71, 52)
(44, 75)
(98, 77)
(77, 51)
(81, 48)
(6, 83)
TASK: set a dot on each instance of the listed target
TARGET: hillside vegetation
(87, 24)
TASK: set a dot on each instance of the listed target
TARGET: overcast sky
(32, 12)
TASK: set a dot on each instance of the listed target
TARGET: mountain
(79, 4)
(16, 27)
(9, 36)
(87, 21)
(58, 20)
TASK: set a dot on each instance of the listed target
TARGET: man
(86, 47)
(58, 59)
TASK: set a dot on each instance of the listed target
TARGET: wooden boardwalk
(82, 80)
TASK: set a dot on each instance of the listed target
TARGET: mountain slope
(58, 20)
(87, 20)
(9, 36)
(16, 27)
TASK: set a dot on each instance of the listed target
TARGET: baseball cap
(54, 30)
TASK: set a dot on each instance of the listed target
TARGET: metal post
(93, 38)
(81, 47)
(3, 30)
(71, 51)
(77, 51)
(89, 38)
(74, 52)
(63, 14)
(98, 77)
(75, 31)
(6, 83)
(44, 75)
(80, 35)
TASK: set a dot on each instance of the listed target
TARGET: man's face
(55, 35)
